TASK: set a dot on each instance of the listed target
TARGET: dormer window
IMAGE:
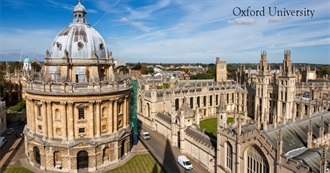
(80, 45)
(101, 46)
(59, 45)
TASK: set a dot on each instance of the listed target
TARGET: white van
(3, 140)
(184, 162)
(145, 135)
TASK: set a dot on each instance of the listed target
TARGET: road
(7, 149)
(167, 155)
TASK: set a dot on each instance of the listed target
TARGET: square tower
(221, 70)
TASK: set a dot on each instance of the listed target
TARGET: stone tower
(262, 82)
(221, 70)
(286, 88)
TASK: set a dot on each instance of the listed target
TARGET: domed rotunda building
(78, 108)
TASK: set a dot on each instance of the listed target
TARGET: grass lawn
(142, 163)
(17, 170)
(210, 126)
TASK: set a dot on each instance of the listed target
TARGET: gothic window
(148, 110)
(256, 161)
(198, 102)
(191, 102)
(81, 113)
(210, 100)
(229, 156)
(176, 104)
(216, 99)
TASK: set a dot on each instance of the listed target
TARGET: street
(7, 147)
(167, 155)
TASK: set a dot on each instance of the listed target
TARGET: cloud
(242, 21)
(124, 20)
(278, 19)
(140, 26)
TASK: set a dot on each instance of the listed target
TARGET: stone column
(29, 110)
(70, 121)
(44, 119)
(91, 118)
(110, 116)
(33, 117)
(63, 111)
(97, 118)
(49, 119)
(125, 112)
(115, 115)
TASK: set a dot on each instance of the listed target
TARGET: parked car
(3, 140)
(185, 162)
(10, 131)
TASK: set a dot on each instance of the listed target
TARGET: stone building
(221, 72)
(78, 108)
(3, 120)
(271, 92)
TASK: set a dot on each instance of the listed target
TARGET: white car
(145, 135)
(10, 131)
(185, 162)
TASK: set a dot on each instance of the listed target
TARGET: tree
(137, 66)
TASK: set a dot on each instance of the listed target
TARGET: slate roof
(294, 134)
(201, 137)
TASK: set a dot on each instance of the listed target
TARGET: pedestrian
(16, 135)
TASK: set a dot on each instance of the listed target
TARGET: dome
(79, 39)
(27, 60)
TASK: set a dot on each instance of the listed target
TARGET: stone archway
(36, 154)
(82, 160)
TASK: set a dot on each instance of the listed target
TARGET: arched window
(148, 110)
(82, 160)
(36, 154)
(176, 104)
(106, 153)
(57, 159)
(256, 161)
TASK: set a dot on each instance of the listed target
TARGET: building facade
(78, 107)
